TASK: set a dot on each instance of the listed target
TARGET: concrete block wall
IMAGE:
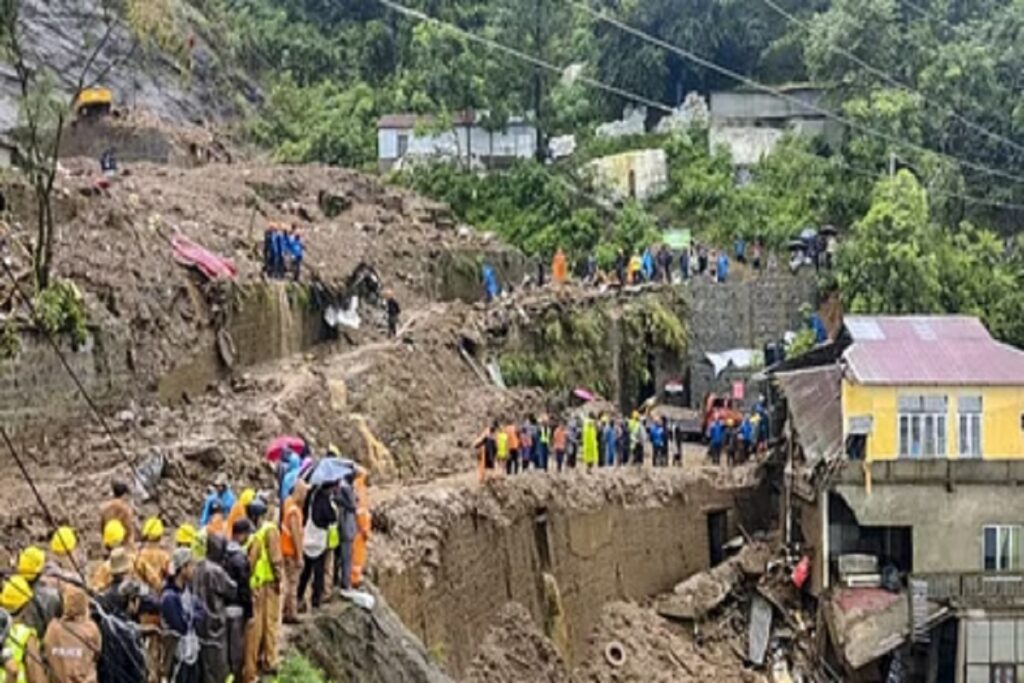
(741, 314)
(36, 389)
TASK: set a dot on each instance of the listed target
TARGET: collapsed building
(904, 439)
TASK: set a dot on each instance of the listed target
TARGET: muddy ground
(407, 408)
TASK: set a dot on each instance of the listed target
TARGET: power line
(128, 459)
(71, 556)
(789, 16)
(697, 59)
(535, 61)
(420, 16)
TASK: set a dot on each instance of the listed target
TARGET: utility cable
(128, 459)
(756, 85)
(122, 674)
(896, 83)
(630, 96)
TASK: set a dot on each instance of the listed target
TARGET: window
(922, 426)
(403, 144)
(969, 431)
(1001, 548)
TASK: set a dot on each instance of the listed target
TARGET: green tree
(890, 263)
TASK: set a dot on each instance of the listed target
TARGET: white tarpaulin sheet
(741, 359)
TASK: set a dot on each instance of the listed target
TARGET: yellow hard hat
(113, 533)
(247, 496)
(31, 561)
(185, 535)
(636, 415)
(153, 529)
(15, 594)
(64, 541)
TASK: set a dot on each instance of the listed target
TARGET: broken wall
(266, 322)
(618, 550)
(36, 389)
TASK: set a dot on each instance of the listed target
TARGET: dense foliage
(926, 87)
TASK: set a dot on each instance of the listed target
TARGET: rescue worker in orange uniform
(559, 269)
(291, 548)
(238, 509)
(265, 581)
(363, 523)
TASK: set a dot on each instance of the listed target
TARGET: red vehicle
(722, 408)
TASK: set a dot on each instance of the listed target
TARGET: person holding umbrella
(320, 516)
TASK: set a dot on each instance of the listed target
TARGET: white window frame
(970, 431)
(1003, 534)
(930, 425)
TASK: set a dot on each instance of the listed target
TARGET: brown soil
(657, 651)
(516, 650)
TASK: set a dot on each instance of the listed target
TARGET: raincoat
(559, 270)
(72, 644)
(648, 265)
(610, 440)
(491, 288)
(589, 442)
(723, 267)
(292, 467)
(226, 499)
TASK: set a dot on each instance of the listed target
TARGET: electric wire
(896, 83)
(756, 85)
(630, 96)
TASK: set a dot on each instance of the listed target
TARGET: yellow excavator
(93, 103)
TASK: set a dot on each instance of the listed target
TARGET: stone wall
(36, 389)
(268, 321)
(617, 551)
(741, 314)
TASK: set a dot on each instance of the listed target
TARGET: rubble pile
(114, 242)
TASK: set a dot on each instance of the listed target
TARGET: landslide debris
(514, 649)
(115, 243)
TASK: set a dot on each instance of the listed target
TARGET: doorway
(718, 532)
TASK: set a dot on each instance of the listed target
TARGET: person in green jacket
(589, 441)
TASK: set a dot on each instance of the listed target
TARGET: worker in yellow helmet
(63, 547)
(153, 565)
(22, 662)
(45, 604)
(238, 509)
(120, 508)
(113, 539)
(185, 536)
(153, 560)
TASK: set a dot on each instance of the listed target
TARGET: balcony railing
(972, 589)
(935, 471)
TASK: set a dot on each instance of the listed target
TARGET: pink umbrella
(278, 446)
(582, 394)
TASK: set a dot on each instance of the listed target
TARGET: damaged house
(906, 452)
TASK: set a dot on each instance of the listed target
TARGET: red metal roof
(929, 350)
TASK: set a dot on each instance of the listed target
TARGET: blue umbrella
(331, 470)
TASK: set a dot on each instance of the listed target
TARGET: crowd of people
(283, 250)
(589, 441)
(205, 607)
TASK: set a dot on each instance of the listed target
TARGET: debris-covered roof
(814, 399)
(929, 350)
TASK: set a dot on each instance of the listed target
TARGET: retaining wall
(614, 552)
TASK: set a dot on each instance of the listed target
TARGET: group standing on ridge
(205, 606)
(589, 440)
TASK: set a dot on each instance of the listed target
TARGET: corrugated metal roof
(929, 350)
(815, 405)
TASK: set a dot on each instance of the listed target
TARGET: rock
(350, 643)
(209, 455)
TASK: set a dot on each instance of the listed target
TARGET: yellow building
(932, 387)
(905, 443)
